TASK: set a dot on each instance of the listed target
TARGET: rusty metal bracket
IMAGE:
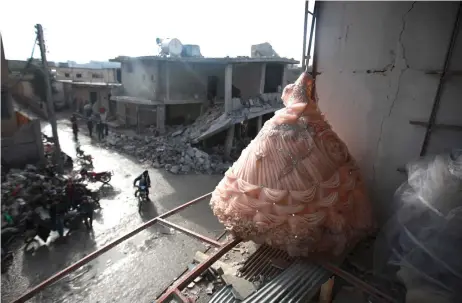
(437, 125)
(190, 232)
(444, 75)
(358, 283)
(198, 270)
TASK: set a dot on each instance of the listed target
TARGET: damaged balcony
(180, 90)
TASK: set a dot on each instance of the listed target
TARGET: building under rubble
(160, 90)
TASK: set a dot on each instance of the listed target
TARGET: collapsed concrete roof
(87, 83)
(215, 120)
(221, 60)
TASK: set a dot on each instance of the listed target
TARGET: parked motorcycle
(86, 159)
(103, 177)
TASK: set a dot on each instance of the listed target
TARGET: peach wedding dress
(295, 187)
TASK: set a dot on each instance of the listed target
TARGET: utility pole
(58, 159)
(305, 26)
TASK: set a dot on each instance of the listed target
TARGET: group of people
(98, 119)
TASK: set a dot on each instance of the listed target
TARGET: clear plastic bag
(422, 244)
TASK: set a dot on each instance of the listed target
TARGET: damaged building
(92, 82)
(160, 91)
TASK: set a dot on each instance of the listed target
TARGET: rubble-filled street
(172, 151)
(138, 269)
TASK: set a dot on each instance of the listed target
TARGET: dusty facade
(105, 75)
(78, 93)
(79, 83)
(178, 90)
(9, 124)
(380, 66)
(21, 137)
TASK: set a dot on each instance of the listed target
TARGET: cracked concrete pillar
(284, 77)
(262, 78)
(160, 118)
(156, 86)
(167, 81)
(259, 123)
(229, 141)
(228, 88)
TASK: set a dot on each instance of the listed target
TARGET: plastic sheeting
(422, 243)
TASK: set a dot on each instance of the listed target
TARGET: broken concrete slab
(242, 288)
(210, 288)
(219, 266)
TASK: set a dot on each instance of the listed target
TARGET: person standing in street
(75, 127)
(103, 115)
(90, 125)
(87, 109)
(99, 126)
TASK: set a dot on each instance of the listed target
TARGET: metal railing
(224, 247)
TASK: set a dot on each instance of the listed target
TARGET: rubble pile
(20, 191)
(173, 153)
(224, 273)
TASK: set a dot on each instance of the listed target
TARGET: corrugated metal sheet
(262, 263)
(225, 295)
(296, 284)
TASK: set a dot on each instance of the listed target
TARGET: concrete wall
(24, 147)
(182, 113)
(127, 114)
(24, 94)
(8, 124)
(189, 81)
(82, 94)
(246, 77)
(87, 74)
(140, 79)
(373, 59)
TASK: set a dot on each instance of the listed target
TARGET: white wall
(147, 79)
(86, 74)
(373, 59)
(141, 80)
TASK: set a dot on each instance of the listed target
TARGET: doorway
(93, 97)
(273, 77)
(212, 89)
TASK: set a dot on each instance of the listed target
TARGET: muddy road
(136, 270)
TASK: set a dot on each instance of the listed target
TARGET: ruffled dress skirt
(295, 187)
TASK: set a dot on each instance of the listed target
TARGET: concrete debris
(210, 288)
(263, 50)
(175, 152)
(218, 266)
(191, 285)
(242, 288)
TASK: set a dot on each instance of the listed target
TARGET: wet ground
(137, 270)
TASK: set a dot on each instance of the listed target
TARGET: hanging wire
(28, 64)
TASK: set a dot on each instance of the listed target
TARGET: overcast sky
(100, 30)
